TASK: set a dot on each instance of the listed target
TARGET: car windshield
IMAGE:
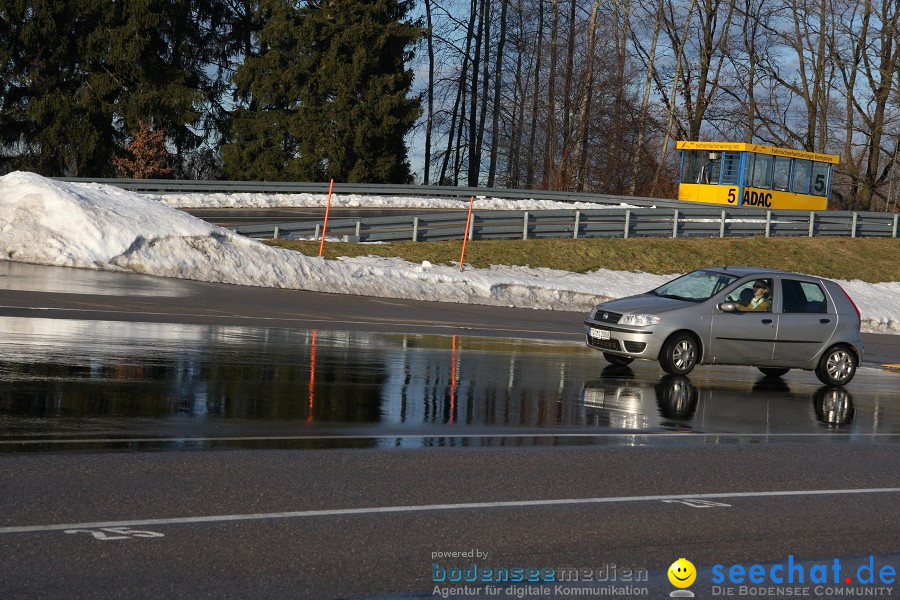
(695, 287)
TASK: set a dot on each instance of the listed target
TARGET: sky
(92, 226)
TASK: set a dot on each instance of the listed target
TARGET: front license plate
(599, 334)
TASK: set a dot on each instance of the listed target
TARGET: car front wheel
(679, 354)
(615, 359)
(837, 366)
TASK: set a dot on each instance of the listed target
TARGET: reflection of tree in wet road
(476, 382)
(217, 379)
(179, 382)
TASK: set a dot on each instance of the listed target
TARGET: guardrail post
(318, 229)
(895, 225)
(722, 226)
(415, 237)
(812, 222)
(358, 228)
(525, 227)
(472, 228)
(853, 225)
(768, 223)
(627, 222)
(675, 224)
(577, 224)
(275, 233)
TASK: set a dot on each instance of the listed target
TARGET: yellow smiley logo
(682, 573)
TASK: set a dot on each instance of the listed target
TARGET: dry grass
(868, 259)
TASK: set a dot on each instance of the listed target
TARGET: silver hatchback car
(773, 320)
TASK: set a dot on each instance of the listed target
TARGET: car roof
(745, 271)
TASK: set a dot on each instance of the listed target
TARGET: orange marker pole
(466, 236)
(325, 224)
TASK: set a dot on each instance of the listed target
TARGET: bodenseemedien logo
(682, 574)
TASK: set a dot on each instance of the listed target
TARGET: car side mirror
(728, 307)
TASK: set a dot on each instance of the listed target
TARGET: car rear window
(802, 297)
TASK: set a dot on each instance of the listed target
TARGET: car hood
(644, 304)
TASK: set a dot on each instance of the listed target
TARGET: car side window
(754, 295)
(741, 293)
(802, 297)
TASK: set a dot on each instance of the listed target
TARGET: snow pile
(100, 227)
(252, 200)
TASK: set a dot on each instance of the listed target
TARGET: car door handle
(824, 320)
(766, 321)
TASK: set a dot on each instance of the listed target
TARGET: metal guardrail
(179, 186)
(655, 217)
(599, 223)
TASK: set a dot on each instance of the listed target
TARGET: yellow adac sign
(755, 176)
(750, 197)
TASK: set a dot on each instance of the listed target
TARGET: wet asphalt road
(177, 439)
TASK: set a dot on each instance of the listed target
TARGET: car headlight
(640, 320)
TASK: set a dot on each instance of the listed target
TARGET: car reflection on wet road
(619, 400)
(101, 384)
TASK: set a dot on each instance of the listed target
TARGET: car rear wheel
(617, 360)
(772, 372)
(679, 354)
(837, 366)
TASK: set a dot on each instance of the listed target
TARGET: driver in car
(761, 300)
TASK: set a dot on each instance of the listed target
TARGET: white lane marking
(123, 533)
(299, 320)
(418, 436)
(376, 510)
(696, 503)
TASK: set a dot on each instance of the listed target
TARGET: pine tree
(77, 76)
(327, 94)
(260, 145)
(151, 52)
(358, 101)
(52, 120)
